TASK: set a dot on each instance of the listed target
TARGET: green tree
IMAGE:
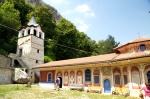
(9, 24)
(86, 45)
(66, 40)
(24, 8)
(107, 46)
(110, 44)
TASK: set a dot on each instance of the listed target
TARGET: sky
(125, 20)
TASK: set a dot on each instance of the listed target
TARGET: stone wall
(5, 76)
(5, 70)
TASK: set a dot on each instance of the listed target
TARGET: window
(36, 61)
(29, 32)
(142, 47)
(87, 75)
(49, 78)
(37, 50)
(96, 79)
(135, 75)
(117, 79)
(125, 79)
(148, 77)
(34, 32)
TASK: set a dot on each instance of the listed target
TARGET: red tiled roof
(140, 39)
(134, 41)
(132, 55)
(94, 59)
(84, 60)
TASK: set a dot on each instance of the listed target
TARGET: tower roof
(32, 21)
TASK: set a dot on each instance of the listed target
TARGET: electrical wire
(52, 41)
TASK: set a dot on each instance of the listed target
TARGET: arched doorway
(107, 86)
(148, 77)
(60, 86)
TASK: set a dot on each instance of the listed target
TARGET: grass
(36, 92)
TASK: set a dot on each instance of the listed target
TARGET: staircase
(19, 59)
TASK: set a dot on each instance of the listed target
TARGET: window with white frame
(117, 79)
(96, 79)
(125, 79)
(87, 75)
(49, 78)
(135, 77)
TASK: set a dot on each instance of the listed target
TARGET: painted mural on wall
(66, 79)
(106, 70)
(79, 77)
(72, 77)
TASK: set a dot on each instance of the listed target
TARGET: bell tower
(31, 44)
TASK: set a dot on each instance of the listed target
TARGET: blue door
(107, 86)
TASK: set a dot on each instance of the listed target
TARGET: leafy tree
(110, 44)
(24, 8)
(66, 40)
(107, 46)
(86, 45)
(10, 23)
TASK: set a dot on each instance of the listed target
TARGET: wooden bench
(94, 88)
(76, 87)
(121, 91)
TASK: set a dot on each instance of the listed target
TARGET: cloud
(82, 8)
(89, 14)
(81, 25)
(85, 10)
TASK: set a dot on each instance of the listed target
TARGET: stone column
(25, 32)
(121, 80)
(68, 77)
(129, 77)
(92, 77)
(62, 78)
(112, 78)
(142, 74)
(20, 34)
(75, 76)
(83, 76)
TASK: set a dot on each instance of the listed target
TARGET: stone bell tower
(31, 46)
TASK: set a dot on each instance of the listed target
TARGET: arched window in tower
(22, 33)
(29, 32)
(142, 47)
(40, 35)
(34, 32)
(87, 75)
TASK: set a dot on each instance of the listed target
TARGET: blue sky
(125, 20)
